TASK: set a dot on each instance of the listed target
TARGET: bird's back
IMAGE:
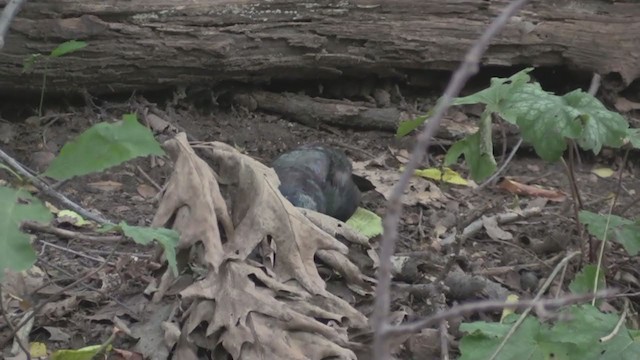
(317, 177)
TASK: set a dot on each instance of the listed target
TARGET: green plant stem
(606, 228)
(44, 85)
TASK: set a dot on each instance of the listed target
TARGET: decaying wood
(150, 44)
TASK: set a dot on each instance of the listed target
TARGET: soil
(83, 315)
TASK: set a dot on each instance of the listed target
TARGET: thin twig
(61, 291)
(68, 234)
(502, 167)
(10, 11)
(5, 315)
(623, 318)
(71, 251)
(543, 289)
(381, 343)
(490, 305)
(48, 190)
(606, 227)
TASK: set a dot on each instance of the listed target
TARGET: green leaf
(583, 282)
(366, 222)
(85, 353)
(544, 120)
(621, 230)
(478, 151)
(68, 47)
(102, 146)
(167, 238)
(16, 206)
(29, 61)
(577, 337)
(408, 126)
(633, 135)
(499, 90)
(601, 126)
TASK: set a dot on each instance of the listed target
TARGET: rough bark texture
(150, 44)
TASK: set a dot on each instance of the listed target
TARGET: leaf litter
(253, 288)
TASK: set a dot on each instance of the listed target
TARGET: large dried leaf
(255, 292)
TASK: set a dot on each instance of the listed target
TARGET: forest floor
(518, 258)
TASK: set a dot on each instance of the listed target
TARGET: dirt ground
(83, 315)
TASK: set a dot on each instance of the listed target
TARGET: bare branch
(10, 11)
(489, 305)
(392, 218)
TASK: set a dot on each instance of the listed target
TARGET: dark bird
(318, 178)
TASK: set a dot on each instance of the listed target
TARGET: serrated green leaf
(102, 146)
(500, 89)
(544, 120)
(478, 152)
(601, 126)
(167, 238)
(68, 47)
(406, 127)
(620, 230)
(16, 206)
(577, 337)
(633, 134)
(583, 282)
(366, 222)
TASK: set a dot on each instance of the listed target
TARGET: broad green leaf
(583, 282)
(478, 151)
(499, 90)
(575, 337)
(408, 126)
(621, 230)
(544, 120)
(601, 126)
(167, 238)
(68, 47)
(16, 206)
(102, 146)
(366, 223)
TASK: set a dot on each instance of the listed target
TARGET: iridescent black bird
(318, 178)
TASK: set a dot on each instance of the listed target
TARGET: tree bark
(152, 44)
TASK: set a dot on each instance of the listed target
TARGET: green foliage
(67, 47)
(17, 205)
(406, 127)
(85, 353)
(584, 280)
(545, 120)
(102, 146)
(98, 148)
(366, 222)
(577, 337)
(477, 149)
(167, 238)
(623, 231)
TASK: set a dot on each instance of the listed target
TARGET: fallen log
(154, 44)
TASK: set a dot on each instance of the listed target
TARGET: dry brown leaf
(146, 191)
(420, 190)
(105, 185)
(517, 188)
(259, 292)
(494, 230)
